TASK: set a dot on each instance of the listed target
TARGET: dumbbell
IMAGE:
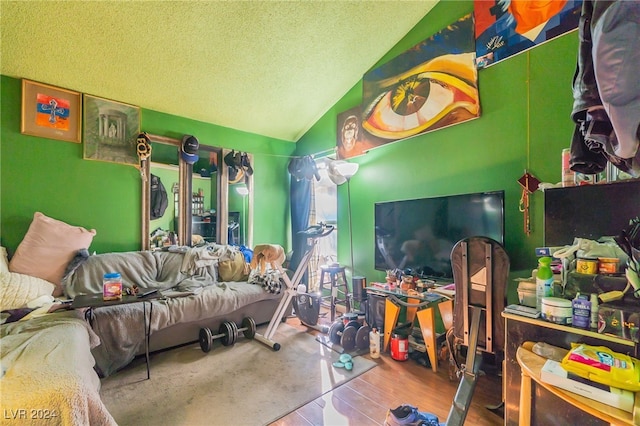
(349, 336)
(227, 333)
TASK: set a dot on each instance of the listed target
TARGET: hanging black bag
(159, 199)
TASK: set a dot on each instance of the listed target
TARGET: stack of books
(553, 373)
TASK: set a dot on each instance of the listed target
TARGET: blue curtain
(300, 192)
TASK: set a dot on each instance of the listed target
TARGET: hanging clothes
(606, 89)
(159, 201)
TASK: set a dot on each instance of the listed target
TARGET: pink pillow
(47, 249)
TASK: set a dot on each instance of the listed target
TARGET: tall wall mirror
(192, 193)
(165, 157)
(237, 182)
(207, 201)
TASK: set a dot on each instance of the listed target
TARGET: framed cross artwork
(50, 112)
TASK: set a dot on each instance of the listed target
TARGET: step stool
(337, 284)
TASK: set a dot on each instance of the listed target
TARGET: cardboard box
(553, 373)
(620, 319)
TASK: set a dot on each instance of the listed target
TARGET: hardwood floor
(366, 399)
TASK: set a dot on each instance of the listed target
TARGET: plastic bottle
(594, 311)
(374, 343)
(581, 311)
(544, 281)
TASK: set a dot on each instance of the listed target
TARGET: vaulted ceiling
(266, 67)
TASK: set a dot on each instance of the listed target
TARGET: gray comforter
(121, 327)
(146, 269)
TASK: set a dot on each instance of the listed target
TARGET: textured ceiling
(266, 67)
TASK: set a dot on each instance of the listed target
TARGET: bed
(47, 372)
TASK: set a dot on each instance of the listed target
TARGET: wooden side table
(531, 364)
(95, 300)
(521, 329)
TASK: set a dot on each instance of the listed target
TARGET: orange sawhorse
(426, 320)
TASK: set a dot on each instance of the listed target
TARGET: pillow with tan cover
(235, 269)
(48, 247)
(16, 290)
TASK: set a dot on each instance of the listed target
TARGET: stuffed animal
(196, 240)
(272, 254)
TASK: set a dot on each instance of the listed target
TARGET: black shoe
(229, 159)
(246, 164)
(405, 415)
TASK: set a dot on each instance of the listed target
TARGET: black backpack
(159, 200)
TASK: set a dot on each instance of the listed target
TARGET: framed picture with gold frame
(110, 130)
(50, 112)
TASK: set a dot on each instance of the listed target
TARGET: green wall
(50, 176)
(526, 102)
(525, 123)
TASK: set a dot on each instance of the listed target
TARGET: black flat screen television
(589, 211)
(420, 234)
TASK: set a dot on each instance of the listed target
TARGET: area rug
(244, 384)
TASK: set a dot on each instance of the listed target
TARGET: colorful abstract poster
(507, 27)
(352, 140)
(430, 86)
(52, 112)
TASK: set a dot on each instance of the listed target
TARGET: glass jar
(112, 286)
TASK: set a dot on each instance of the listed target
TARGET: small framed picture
(50, 112)
(110, 130)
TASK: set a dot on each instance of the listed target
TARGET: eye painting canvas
(507, 27)
(430, 86)
(352, 141)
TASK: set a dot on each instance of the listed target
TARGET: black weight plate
(355, 324)
(350, 316)
(206, 339)
(234, 326)
(250, 327)
(227, 329)
(335, 331)
(362, 337)
(348, 340)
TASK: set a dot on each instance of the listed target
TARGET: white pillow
(47, 249)
(4, 260)
(16, 290)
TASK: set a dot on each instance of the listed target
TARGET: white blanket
(48, 372)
